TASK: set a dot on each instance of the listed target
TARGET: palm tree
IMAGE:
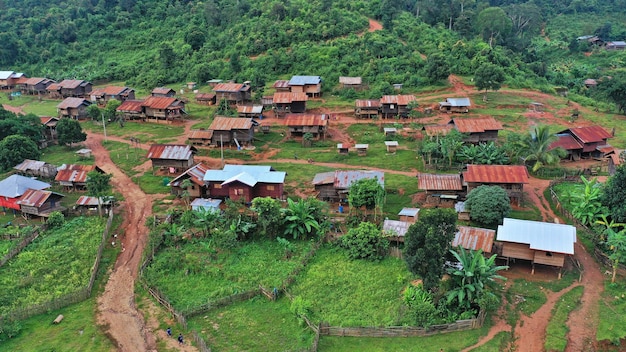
(535, 148)
(473, 278)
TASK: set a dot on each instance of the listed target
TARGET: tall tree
(614, 89)
(365, 242)
(494, 24)
(437, 67)
(427, 242)
(614, 193)
(488, 76)
(14, 149)
(535, 148)
(269, 215)
(99, 186)
(366, 193)
(69, 131)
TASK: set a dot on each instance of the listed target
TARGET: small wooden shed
(391, 146)
(343, 148)
(390, 131)
(409, 214)
(361, 149)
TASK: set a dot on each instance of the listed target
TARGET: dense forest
(148, 43)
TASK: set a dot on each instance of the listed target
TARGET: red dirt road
(116, 306)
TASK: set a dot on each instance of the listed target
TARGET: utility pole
(104, 125)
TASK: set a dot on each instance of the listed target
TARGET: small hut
(391, 146)
(84, 153)
(361, 149)
(536, 106)
(390, 131)
(409, 214)
(343, 148)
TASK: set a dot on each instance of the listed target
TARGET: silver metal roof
(391, 143)
(302, 80)
(543, 236)
(205, 203)
(6, 74)
(16, 185)
(409, 212)
(253, 174)
(458, 101)
(361, 146)
(395, 227)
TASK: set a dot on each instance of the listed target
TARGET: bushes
(365, 242)
(488, 205)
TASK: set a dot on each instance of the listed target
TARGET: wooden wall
(556, 259)
(517, 251)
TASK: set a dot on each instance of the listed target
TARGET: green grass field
(347, 292)
(44, 270)
(613, 313)
(255, 325)
(193, 274)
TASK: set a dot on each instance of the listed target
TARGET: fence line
(64, 300)
(15, 251)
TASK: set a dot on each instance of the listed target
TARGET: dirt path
(13, 109)
(116, 306)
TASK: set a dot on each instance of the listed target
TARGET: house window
(548, 254)
(217, 186)
(270, 187)
(238, 191)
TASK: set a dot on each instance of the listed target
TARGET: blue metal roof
(15, 185)
(205, 203)
(248, 174)
(302, 80)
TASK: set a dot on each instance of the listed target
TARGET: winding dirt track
(116, 306)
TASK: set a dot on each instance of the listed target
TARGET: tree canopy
(14, 149)
(488, 205)
(69, 131)
(614, 193)
(427, 242)
(365, 242)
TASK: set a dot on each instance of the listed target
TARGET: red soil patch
(374, 26)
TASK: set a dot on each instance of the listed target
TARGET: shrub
(365, 242)
(55, 220)
(488, 205)
(420, 304)
(301, 308)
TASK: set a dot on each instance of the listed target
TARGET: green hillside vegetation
(152, 43)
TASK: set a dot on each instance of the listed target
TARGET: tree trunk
(615, 264)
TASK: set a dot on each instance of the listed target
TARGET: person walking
(169, 332)
(180, 339)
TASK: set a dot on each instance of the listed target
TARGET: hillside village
(192, 168)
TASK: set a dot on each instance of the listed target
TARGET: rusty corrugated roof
(161, 102)
(496, 174)
(444, 182)
(221, 123)
(305, 120)
(200, 134)
(589, 134)
(397, 99)
(130, 106)
(34, 80)
(74, 173)
(170, 151)
(367, 103)
(437, 130)
(289, 97)
(28, 165)
(567, 142)
(34, 198)
(281, 83)
(92, 201)
(162, 90)
(350, 80)
(249, 109)
(109, 90)
(71, 83)
(49, 120)
(205, 96)
(230, 87)
(476, 125)
(72, 103)
(54, 86)
(474, 238)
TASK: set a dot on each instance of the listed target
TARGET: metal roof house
(479, 129)
(301, 124)
(14, 186)
(289, 102)
(233, 93)
(451, 105)
(366, 108)
(163, 108)
(195, 174)
(36, 168)
(351, 82)
(539, 242)
(102, 95)
(245, 182)
(311, 85)
(40, 203)
(393, 106)
(441, 189)
(74, 176)
(510, 177)
(474, 238)
(73, 108)
(234, 131)
(615, 45)
(587, 141)
(174, 156)
(335, 185)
